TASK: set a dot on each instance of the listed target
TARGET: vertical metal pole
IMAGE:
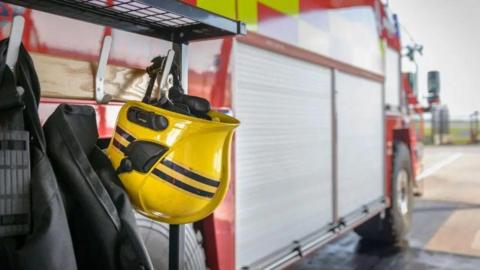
(434, 125)
(472, 128)
(177, 232)
(476, 127)
(176, 250)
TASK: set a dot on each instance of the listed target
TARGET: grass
(459, 133)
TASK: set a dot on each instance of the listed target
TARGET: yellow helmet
(175, 167)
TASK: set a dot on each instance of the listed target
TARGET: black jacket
(49, 244)
(81, 217)
(99, 213)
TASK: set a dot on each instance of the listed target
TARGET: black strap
(26, 77)
(24, 67)
(11, 104)
(153, 70)
(9, 96)
(10, 99)
(14, 146)
(148, 93)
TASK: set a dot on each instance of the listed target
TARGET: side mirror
(433, 86)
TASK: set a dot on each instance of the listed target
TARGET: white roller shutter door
(283, 151)
(360, 132)
(392, 78)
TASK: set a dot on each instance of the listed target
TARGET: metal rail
(165, 19)
(303, 247)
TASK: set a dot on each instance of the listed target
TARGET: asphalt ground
(445, 232)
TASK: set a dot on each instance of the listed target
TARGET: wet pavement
(446, 223)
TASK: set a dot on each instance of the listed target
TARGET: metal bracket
(177, 232)
(16, 34)
(165, 79)
(166, 69)
(100, 95)
(181, 58)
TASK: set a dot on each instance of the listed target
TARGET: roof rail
(170, 20)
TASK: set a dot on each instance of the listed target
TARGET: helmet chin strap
(171, 94)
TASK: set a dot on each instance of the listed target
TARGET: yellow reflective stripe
(248, 9)
(121, 140)
(225, 8)
(290, 7)
(185, 179)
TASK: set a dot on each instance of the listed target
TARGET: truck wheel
(392, 227)
(155, 236)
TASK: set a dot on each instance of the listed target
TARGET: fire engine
(325, 145)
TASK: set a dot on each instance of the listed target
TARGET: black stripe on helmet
(182, 185)
(119, 146)
(120, 131)
(190, 174)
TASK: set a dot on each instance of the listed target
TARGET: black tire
(155, 236)
(393, 226)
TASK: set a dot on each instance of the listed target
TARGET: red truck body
(63, 48)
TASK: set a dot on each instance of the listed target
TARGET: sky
(449, 30)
